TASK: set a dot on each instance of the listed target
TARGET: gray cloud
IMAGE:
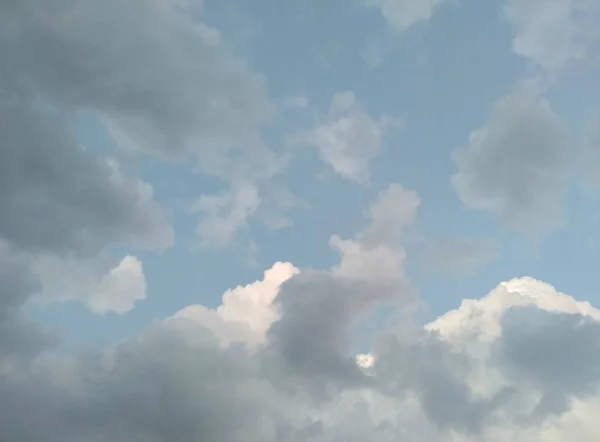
(162, 79)
(348, 138)
(518, 165)
(552, 34)
(162, 83)
(59, 202)
(176, 381)
(557, 353)
(20, 339)
(55, 197)
(319, 309)
(437, 373)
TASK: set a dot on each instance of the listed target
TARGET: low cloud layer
(276, 361)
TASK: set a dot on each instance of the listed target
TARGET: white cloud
(348, 138)
(403, 14)
(518, 165)
(247, 312)
(482, 317)
(114, 290)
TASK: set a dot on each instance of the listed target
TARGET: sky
(309, 221)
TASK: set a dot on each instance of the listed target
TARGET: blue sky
(158, 154)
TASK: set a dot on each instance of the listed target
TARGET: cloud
(116, 289)
(518, 165)
(475, 373)
(247, 312)
(403, 14)
(225, 215)
(62, 207)
(163, 84)
(539, 339)
(19, 337)
(348, 138)
(181, 92)
(319, 309)
(551, 33)
(279, 359)
(56, 197)
(481, 318)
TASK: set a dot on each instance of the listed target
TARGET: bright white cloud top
(152, 154)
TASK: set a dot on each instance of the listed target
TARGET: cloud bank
(276, 360)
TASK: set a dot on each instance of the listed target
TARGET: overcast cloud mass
(218, 223)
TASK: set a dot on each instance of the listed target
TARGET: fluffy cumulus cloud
(348, 138)
(247, 312)
(518, 165)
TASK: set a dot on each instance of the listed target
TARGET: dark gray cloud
(161, 82)
(437, 373)
(318, 312)
(320, 309)
(557, 353)
(20, 338)
(57, 198)
(164, 80)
